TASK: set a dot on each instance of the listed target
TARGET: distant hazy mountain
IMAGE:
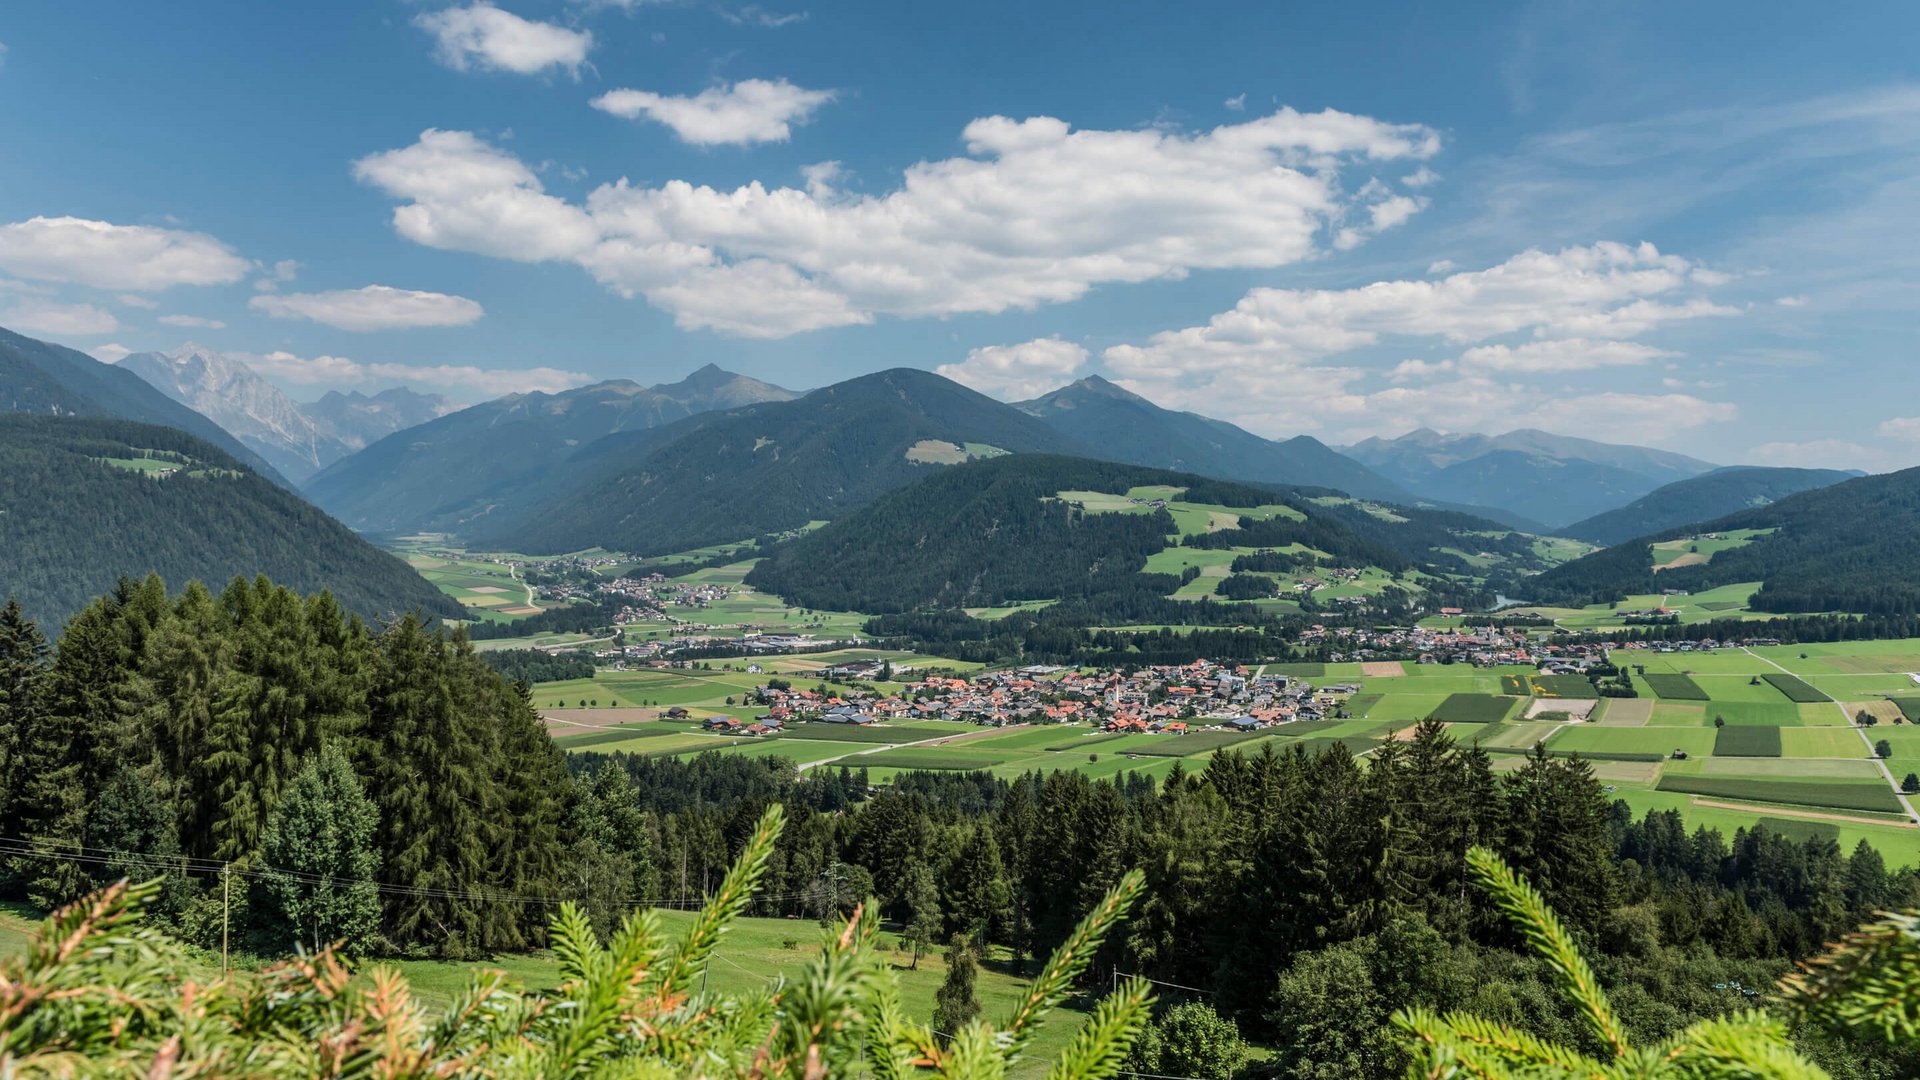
(1556, 479)
(250, 408)
(40, 377)
(356, 420)
(299, 440)
(85, 500)
(742, 472)
(1122, 426)
(1851, 546)
(468, 458)
(1715, 494)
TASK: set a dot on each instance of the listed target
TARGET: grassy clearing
(1593, 739)
(1735, 741)
(1804, 742)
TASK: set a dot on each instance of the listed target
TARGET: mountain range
(1119, 425)
(1712, 495)
(1554, 479)
(453, 467)
(85, 501)
(297, 440)
(53, 380)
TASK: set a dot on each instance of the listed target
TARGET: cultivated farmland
(1473, 709)
(1794, 687)
(1735, 741)
(1674, 687)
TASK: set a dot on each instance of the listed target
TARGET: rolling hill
(723, 476)
(445, 470)
(1556, 479)
(53, 380)
(1852, 546)
(1118, 425)
(1716, 494)
(1039, 527)
(85, 500)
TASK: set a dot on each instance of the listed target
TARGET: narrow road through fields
(514, 573)
(1899, 796)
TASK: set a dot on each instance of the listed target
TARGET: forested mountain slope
(1853, 546)
(1721, 492)
(84, 501)
(765, 468)
(438, 472)
(48, 379)
(1122, 426)
(996, 531)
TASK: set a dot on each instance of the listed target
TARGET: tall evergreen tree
(922, 901)
(23, 673)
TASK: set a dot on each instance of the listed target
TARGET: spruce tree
(23, 673)
(922, 902)
(318, 858)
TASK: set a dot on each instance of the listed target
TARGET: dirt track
(1816, 815)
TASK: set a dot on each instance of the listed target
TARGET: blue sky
(1688, 225)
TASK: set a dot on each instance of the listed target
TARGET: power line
(188, 866)
(1160, 982)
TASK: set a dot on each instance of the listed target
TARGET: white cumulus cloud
(109, 256)
(192, 321)
(750, 111)
(485, 382)
(110, 353)
(1277, 362)
(1036, 213)
(1903, 428)
(372, 307)
(481, 37)
(1018, 372)
(49, 319)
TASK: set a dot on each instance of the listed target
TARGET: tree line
(190, 734)
(1306, 896)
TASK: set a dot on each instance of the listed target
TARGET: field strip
(1781, 811)
(1898, 795)
(934, 741)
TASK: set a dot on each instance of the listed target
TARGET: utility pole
(226, 891)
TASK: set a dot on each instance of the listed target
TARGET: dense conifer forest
(74, 522)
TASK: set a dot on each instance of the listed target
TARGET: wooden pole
(226, 892)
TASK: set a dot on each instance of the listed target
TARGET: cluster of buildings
(1170, 700)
